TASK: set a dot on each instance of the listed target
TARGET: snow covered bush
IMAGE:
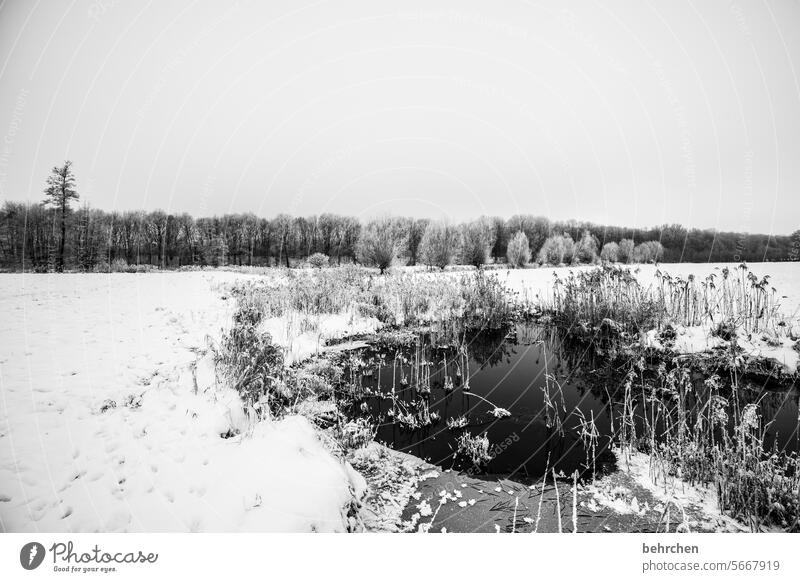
(519, 253)
(247, 361)
(475, 448)
(118, 265)
(318, 260)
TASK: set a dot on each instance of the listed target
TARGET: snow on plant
(250, 363)
(707, 439)
(475, 448)
(456, 423)
(355, 434)
(318, 260)
(500, 412)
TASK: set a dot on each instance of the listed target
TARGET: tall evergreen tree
(59, 193)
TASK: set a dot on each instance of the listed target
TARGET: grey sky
(623, 112)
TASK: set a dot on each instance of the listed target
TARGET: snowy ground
(106, 423)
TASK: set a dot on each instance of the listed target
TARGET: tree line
(58, 234)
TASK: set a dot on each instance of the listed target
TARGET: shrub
(610, 252)
(625, 251)
(380, 243)
(318, 260)
(518, 254)
(249, 362)
(119, 265)
(476, 241)
(439, 244)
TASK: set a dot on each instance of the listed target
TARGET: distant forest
(52, 235)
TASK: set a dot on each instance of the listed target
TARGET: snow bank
(697, 504)
(700, 339)
(108, 421)
(302, 336)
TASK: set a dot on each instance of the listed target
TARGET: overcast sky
(619, 112)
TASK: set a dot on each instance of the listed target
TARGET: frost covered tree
(59, 193)
(415, 229)
(380, 243)
(569, 249)
(518, 253)
(476, 242)
(586, 248)
(552, 251)
(536, 228)
(648, 252)
(625, 251)
(560, 248)
(214, 251)
(794, 248)
(439, 244)
(609, 252)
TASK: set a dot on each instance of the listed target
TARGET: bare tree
(282, 226)
(439, 244)
(476, 242)
(380, 243)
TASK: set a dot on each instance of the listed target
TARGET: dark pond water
(557, 395)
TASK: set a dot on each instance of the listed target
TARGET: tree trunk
(60, 266)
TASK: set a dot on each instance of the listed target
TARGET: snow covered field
(109, 420)
(104, 425)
